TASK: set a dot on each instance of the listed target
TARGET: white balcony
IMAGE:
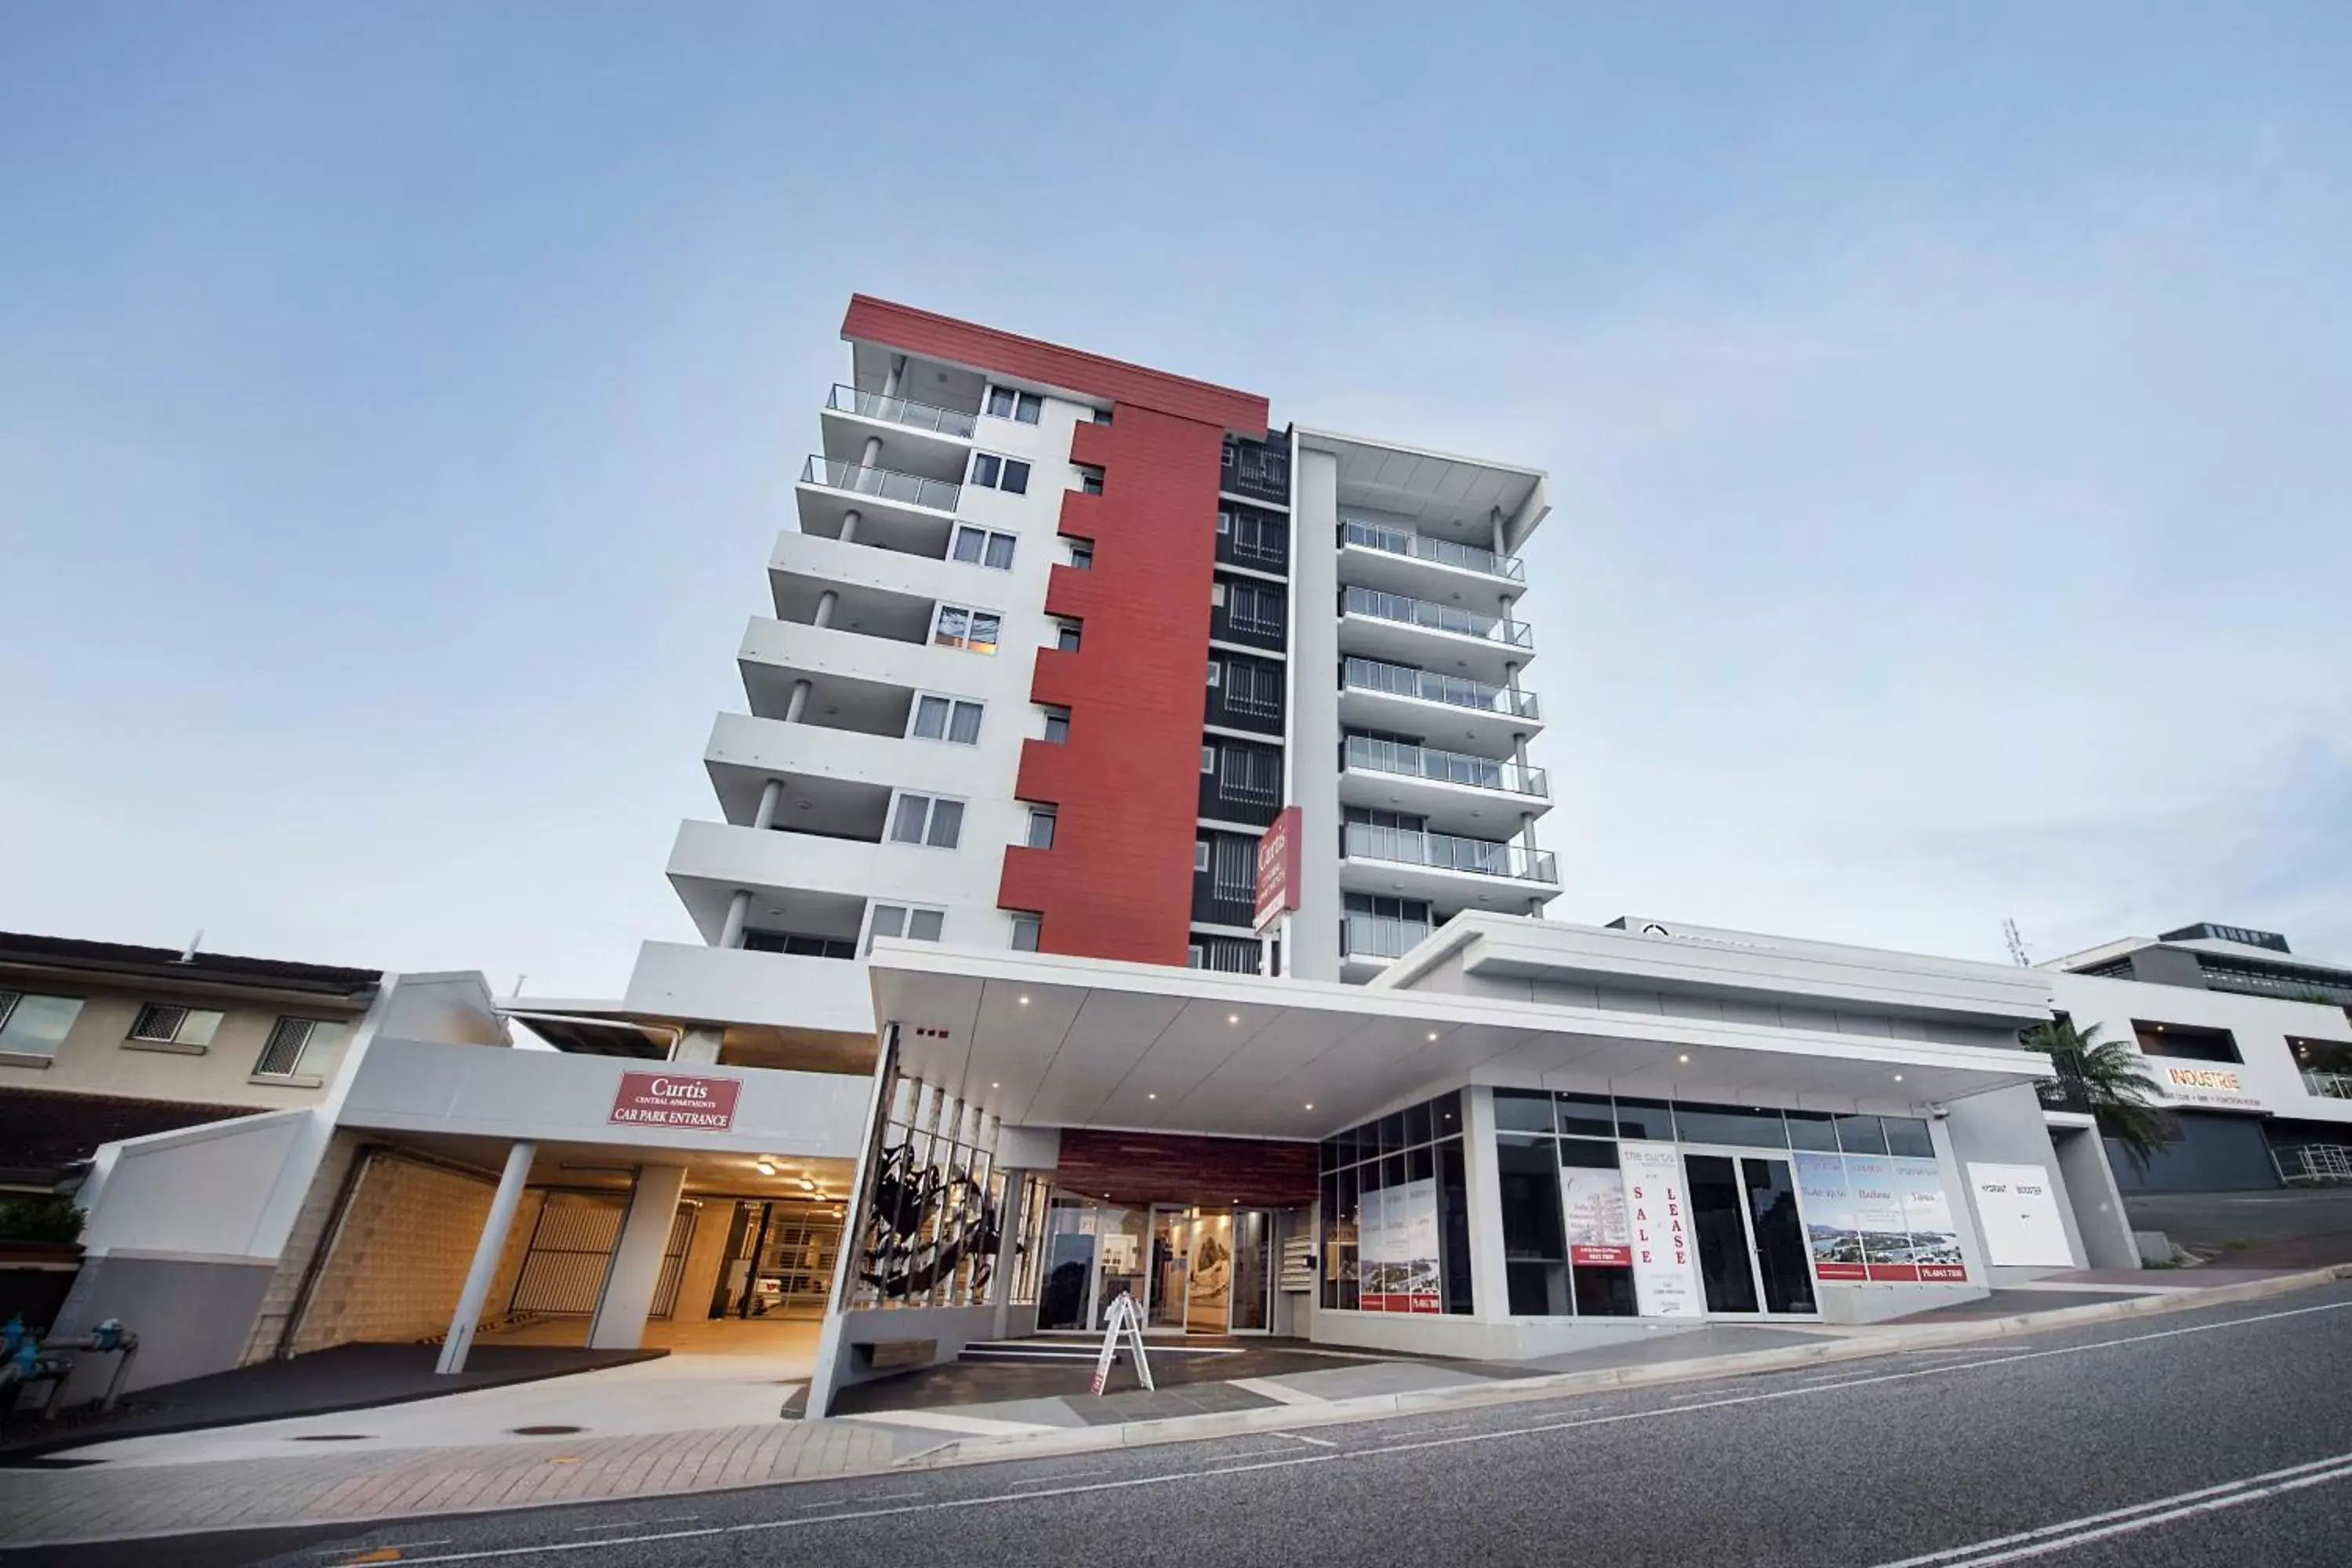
(890, 503)
(1369, 944)
(816, 763)
(1477, 796)
(1443, 709)
(1397, 560)
(1467, 643)
(919, 438)
(1457, 873)
(857, 681)
(685, 980)
(897, 587)
(801, 883)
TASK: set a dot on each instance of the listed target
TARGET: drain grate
(543, 1431)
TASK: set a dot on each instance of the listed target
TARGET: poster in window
(1878, 1216)
(1373, 1252)
(1658, 1214)
(1595, 1205)
(1927, 1215)
(1416, 1286)
(1832, 1230)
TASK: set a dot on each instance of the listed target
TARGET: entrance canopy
(1054, 1041)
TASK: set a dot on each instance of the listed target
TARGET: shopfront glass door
(1752, 1254)
(1065, 1301)
(1252, 1271)
(1171, 1269)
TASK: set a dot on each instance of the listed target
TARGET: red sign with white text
(676, 1100)
(1277, 869)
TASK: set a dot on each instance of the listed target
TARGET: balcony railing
(1436, 617)
(2331, 1085)
(1447, 853)
(900, 410)
(888, 484)
(1445, 552)
(2064, 1092)
(1364, 753)
(1403, 681)
(1380, 936)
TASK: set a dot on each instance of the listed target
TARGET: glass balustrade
(1403, 681)
(1436, 617)
(888, 484)
(1381, 936)
(1445, 552)
(900, 411)
(1447, 853)
(1365, 753)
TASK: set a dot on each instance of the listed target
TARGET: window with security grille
(1254, 608)
(1234, 870)
(290, 1040)
(1253, 687)
(160, 1023)
(1250, 774)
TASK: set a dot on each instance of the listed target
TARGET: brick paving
(50, 1505)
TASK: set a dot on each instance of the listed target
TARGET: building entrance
(1192, 1270)
(1752, 1252)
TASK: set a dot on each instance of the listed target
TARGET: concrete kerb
(1891, 1341)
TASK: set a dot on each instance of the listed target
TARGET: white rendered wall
(2268, 1078)
(1314, 741)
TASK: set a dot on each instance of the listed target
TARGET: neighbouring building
(2250, 1044)
(99, 1041)
(1126, 880)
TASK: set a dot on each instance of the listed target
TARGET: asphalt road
(2300, 1228)
(2222, 1436)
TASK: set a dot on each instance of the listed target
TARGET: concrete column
(1528, 830)
(824, 604)
(1511, 677)
(629, 1279)
(698, 1046)
(739, 908)
(771, 793)
(488, 1252)
(1490, 1281)
(849, 528)
(898, 376)
(870, 459)
(1495, 519)
(797, 703)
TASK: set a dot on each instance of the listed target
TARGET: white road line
(2093, 1527)
(1336, 1454)
(1064, 1476)
(1303, 1437)
(626, 1523)
(836, 1502)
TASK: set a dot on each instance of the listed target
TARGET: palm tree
(2107, 1077)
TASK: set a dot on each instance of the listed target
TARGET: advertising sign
(1398, 1261)
(1277, 869)
(1658, 1215)
(1878, 1216)
(2207, 1086)
(1927, 1214)
(2018, 1206)
(1832, 1228)
(1597, 1228)
(676, 1100)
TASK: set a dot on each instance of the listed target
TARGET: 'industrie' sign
(676, 1100)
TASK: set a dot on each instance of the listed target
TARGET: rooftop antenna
(188, 953)
(518, 980)
(2016, 944)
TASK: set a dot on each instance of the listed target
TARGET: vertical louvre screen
(673, 1264)
(571, 1247)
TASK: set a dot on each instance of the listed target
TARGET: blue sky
(1945, 410)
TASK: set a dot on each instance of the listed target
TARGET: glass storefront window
(1742, 1125)
(1811, 1129)
(1520, 1111)
(1445, 1115)
(1644, 1118)
(1908, 1135)
(1586, 1116)
(1861, 1135)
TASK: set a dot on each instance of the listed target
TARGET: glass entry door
(1209, 1271)
(1752, 1254)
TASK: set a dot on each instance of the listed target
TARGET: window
(1196, 956)
(1090, 479)
(971, 630)
(1209, 754)
(1235, 872)
(991, 472)
(1200, 856)
(1004, 403)
(1066, 636)
(795, 945)
(1217, 595)
(1026, 929)
(1251, 775)
(1216, 674)
(162, 1024)
(928, 820)
(1254, 688)
(905, 920)
(1250, 608)
(1102, 416)
(1081, 556)
(946, 719)
(1257, 540)
(1057, 726)
(982, 547)
(291, 1039)
(1041, 827)
(34, 1026)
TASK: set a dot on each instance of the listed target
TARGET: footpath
(56, 1501)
